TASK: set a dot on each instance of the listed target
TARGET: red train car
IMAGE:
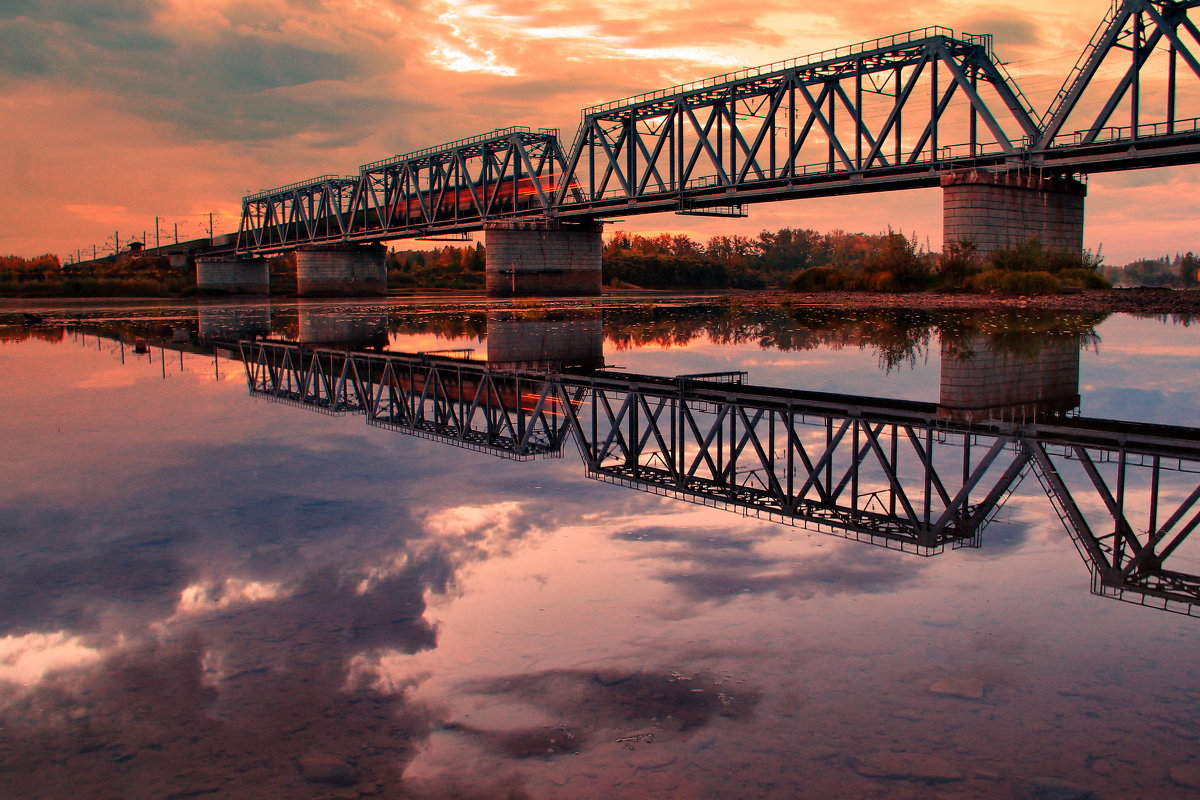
(502, 196)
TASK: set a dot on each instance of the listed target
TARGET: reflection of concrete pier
(322, 326)
(234, 322)
(985, 377)
(545, 341)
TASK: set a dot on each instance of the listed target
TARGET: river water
(207, 592)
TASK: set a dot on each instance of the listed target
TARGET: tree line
(1180, 272)
(797, 258)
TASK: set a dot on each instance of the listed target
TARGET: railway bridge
(928, 107)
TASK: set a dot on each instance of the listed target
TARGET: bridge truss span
(887, 110)
(452, 188)
(1132, 98)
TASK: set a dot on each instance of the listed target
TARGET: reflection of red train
(465, 388)
(465, 200)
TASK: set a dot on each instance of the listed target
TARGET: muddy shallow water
(210, 593)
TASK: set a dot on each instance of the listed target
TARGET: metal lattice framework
(1132, 62)
(885, 110)
(321, 209)
(460, 185)
(456, 401)
(893, 473)
(454, 187)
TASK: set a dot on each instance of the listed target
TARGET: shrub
(820, 279)
(898, 256)
(996, 280)
(1082, 278)
(1028, 256)
(1031, 256)
(959, 260)
(882, 282)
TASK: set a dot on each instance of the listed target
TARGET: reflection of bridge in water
(905, 475)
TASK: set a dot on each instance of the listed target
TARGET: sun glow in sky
(120, 111)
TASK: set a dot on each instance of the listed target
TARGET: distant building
(135, 249)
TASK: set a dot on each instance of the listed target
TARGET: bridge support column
(527, 258)
(341, 270)
(233, 275)
(996, 211)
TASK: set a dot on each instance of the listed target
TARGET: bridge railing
(299, 185)
(905, 37)
(1125, 133)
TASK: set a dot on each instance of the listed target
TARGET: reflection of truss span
(894, 474)
(453, 401)
(883, 471)
(1130, 507)
(890, 475)
(892, 113)
(465, 404)
(323, 381)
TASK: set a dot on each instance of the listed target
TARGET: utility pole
(210, 227)
(116, 243)
(176, 233)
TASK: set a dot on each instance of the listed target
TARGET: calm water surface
(207, 593)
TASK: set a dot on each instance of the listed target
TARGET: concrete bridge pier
(233, 275)
(341, 270)
(543, 258)
(999, 210)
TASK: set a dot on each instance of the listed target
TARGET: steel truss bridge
(888, 472)
(892, 113)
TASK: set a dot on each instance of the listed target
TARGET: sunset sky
(116, 111)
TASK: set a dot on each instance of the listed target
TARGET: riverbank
(1143, 301)
(1137, 301)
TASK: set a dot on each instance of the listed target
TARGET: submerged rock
(1052, 789)
(327, 768)
(968, 688)
(1185, 775)
(526, 742)
(907, 766)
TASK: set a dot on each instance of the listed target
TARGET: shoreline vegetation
(810, 266)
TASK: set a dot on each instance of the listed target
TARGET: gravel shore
(1144, 301)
